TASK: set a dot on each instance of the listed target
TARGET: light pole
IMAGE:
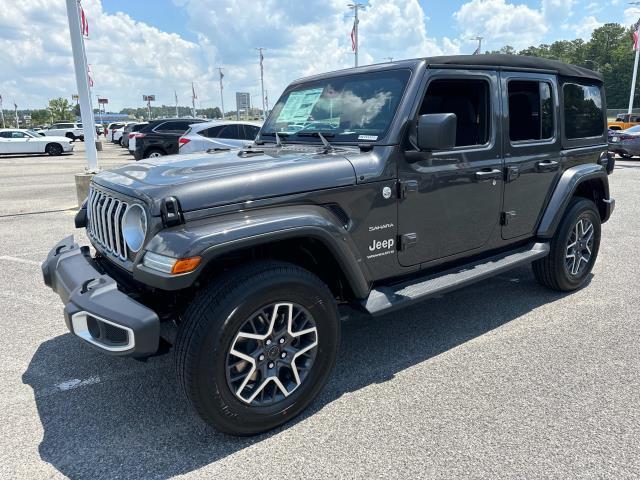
(80, 67)
(354, 31)
(479, 49)
(388, 59)
(635, 63)
(221, 94)
(260, 49)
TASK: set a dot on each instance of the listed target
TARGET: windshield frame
(289, 138)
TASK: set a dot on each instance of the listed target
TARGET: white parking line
(19, 260)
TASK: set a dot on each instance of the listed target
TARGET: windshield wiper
(278, 136)
(323, 138)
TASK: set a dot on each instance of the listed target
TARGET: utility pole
(221, 94)
(193, 100)
(80, 67)
(15, 108)
(266, 100)
(388, 59)
(176, 95)
(2, 113)
(260, 49)
(354, 31)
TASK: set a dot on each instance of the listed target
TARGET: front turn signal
(185, 265)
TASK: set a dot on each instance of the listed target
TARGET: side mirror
(436, 131)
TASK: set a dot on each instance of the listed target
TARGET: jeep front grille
(104, 222)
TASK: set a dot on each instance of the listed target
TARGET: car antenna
(327, 146)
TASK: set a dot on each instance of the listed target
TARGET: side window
(530, 110)
(5, 134)
(583, 115)
(213, 132)
(251, 132)
(175, 127)
(18, 135)
(469, 100)
(231, 132)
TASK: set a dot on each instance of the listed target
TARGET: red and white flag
(636, 28)
(353, 35)
(89, 76)
(84, 23)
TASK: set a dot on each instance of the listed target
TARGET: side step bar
(389, 297)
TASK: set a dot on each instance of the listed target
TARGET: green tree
(60, 109)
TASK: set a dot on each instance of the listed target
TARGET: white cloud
(516, 24)
(585, 27)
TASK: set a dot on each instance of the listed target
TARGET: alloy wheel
(579, 247)
(272, 354)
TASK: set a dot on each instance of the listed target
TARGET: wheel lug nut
(283, 354)
(261, 357)
(282, 340)
(268, 342)
(271, 365)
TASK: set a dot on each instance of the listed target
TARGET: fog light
(171, 265)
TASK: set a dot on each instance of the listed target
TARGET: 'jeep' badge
(386, 192)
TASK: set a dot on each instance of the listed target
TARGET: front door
(450, 200)
(531, 148)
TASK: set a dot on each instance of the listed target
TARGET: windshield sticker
(368, 137)
(299, 106)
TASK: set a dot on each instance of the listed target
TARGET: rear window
(211, 132)
(583, 114)
(173, 126)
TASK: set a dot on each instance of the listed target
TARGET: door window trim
(542, 141)
(450, 75)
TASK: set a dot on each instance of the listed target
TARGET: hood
(203, 180)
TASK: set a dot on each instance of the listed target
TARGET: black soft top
(517, 62)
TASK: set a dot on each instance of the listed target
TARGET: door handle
(488, 174)
(547, 166)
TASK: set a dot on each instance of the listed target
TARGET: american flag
(84, 23)
(89, 76)
(353, 35)
(636, 26)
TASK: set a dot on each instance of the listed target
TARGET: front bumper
(95, 309)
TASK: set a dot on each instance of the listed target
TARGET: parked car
(125, 134)
(18, 140)
(118, 133)
(217, 134)
(624, 121)
(111, 128)
(442, 172)
(72, 131)
(625, 143)
(133, 134)
(161, 137)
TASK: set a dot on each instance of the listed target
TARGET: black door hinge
(506, 216)
(406, 187)
(512, 173)
(408, 240)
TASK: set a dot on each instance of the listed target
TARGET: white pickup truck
(73, 131)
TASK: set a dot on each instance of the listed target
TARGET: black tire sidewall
(54, 149)
(218, 402)
(579, 208)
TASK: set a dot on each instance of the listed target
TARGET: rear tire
(257, 299)
(574, 248)
(154, 153)
(54, 149)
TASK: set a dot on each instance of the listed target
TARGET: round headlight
(134, 227)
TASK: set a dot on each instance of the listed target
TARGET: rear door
(531, 146)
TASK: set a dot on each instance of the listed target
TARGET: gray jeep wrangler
(369, 188)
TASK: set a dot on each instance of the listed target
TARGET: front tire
(574, 248)
(256, 347)
(54, 149)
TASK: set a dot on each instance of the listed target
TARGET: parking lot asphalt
(503, 379)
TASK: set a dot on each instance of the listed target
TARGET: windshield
(349, 108)
(33, 133)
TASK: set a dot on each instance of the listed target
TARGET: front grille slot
(104, 222)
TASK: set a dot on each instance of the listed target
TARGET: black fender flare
(215, 236)
(565, 189)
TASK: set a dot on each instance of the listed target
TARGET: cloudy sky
(158, 46)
